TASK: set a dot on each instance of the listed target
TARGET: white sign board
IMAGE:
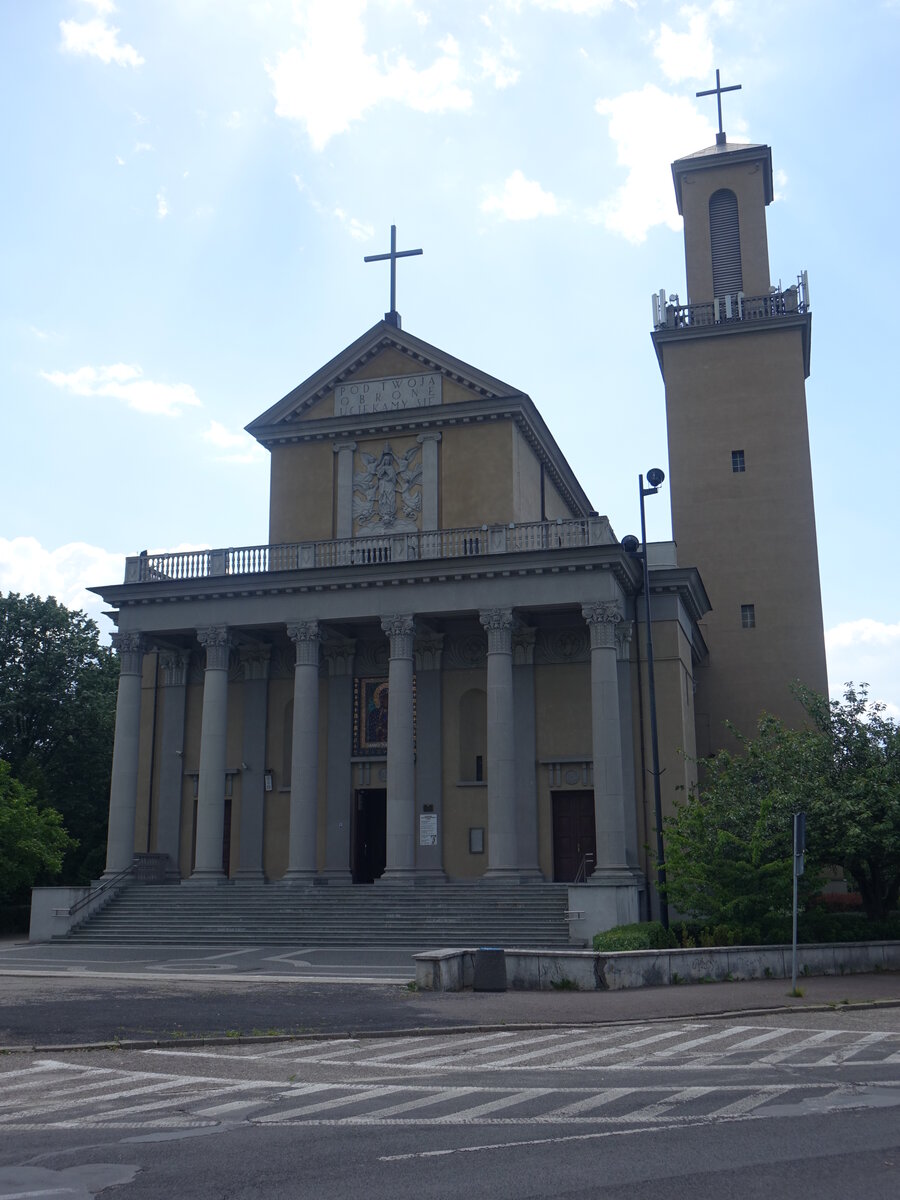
(387, 395)
(428, 829)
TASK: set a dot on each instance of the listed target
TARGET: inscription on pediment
(387, 395)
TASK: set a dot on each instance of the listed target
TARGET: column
(526, 754)
(623, 666)
(173, 678)
(302, 839)
(344, 490)
(429, 759)
(123, 783)
(339, 786)
(400, 861)
(216, 641)
(254, 663)
(603, 619)
(429, 443)
(501, 746)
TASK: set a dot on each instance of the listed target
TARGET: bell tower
(734, 358)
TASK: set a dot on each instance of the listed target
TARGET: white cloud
(496, 66)
(104, 7)
(356, 228)
(98, 39)
(330, 81)
(123, 382)
(234, 120)
(580, 8)
(650, 128)
(66, 572)
(142, 147)
(687, 55)
(238, 446)
(162, 205)
(120, 160)
(866, 651)
(521, 200)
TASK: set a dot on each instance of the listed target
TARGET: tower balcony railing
(787, 302)
(184, 566)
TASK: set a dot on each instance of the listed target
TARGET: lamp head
(630, 544)
(655, 477)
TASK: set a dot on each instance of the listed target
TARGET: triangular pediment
(365, 373)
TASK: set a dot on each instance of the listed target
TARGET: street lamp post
(655, 478)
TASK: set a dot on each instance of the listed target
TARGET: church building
(433, 666)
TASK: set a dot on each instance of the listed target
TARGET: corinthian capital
(130, 649)
(499, 625)
(306, 637)
(401, 629)
(216, 640)
(603, 618)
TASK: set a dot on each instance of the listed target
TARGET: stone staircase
(424, 917)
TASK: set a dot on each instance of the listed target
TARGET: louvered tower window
(725, 239)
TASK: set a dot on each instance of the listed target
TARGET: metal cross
(392, 317)
(717, 92)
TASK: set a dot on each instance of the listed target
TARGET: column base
(292, 877)
(335, 878)
(207, 877)
(249, 876)
(427, 875)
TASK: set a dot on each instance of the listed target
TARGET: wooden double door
(369, 834)
(574, 834)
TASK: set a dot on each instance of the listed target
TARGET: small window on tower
(748, 616)
(737, 461)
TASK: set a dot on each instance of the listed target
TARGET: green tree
(32, 839)
(57, 718)
(729, 853)
(729, 844)
(856, 804)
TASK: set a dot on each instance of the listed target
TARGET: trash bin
(490, 970)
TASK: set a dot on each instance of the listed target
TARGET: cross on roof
(392, 317)
(717, 92)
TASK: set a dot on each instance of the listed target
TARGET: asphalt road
(804, 1105)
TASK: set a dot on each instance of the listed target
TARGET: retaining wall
(587, 970)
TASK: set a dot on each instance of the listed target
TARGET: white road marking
(440, 1097)
(481, 1110)
(622, 1047)
(356, 1097)
(844, 1052)
(814, 1039)
(729, 1031)
(469, 1050)
(664, 1107)
(594, 1101)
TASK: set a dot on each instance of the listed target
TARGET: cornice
(797, 321)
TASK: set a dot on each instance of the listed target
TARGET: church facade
(434, 666)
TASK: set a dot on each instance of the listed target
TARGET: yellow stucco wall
(477, 475)
(747, 181)
(464, 807)
(301, 494)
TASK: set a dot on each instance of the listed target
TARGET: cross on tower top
(392, 317)
(717, 92)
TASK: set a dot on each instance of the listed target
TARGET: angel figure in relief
(386, 486)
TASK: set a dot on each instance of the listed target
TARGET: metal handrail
(581, 875)
(103, 887)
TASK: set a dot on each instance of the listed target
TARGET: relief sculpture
(387, 495)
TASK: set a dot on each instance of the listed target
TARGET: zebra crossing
(52, 1095)
(465, 1080)
(689, 1046)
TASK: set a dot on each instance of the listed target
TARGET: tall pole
(654, 739)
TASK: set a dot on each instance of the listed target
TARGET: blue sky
(191, 187)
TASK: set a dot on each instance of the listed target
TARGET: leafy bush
(647, 935)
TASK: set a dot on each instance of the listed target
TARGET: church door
(369, 835)
(573, 834)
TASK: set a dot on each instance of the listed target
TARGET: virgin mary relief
(387, 495)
